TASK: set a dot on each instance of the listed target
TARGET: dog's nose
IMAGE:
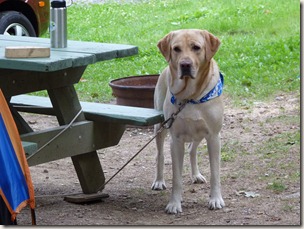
(185, 67)
(186, 64)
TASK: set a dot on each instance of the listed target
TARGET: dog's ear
(212, 44)
(165, 47)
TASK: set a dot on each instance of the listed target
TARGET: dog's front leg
(214, 147)
(177, 155)
(159, 182)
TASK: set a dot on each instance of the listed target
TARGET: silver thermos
(58, 24)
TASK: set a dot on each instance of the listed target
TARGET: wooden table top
(77, 53)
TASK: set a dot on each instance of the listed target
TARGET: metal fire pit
(137, 91)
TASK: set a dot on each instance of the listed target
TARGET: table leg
(88, 168)
(22, 125)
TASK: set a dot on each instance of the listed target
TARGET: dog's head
(188, 51)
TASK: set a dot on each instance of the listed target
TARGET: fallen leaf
(247, 194)
(251, 194)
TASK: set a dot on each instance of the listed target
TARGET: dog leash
(164, 125)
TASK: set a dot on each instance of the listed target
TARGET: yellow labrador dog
(193, 78)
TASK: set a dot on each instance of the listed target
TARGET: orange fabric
(16, 142)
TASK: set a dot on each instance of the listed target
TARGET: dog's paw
(198, 179)
(216, 203)
(173, 208)
(158, 185)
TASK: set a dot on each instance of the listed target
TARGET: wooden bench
(136, 116)
(29, 147)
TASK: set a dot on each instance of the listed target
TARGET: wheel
(16, 24)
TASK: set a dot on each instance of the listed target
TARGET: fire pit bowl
(137, 91)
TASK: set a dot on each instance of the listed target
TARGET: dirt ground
(260, 175)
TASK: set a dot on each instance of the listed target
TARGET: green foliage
(277, 186)
(259, 55)
(280, 144)
(227, 156)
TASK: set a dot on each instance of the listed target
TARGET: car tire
(15, 23)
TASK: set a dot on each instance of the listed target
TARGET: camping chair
(16, 188)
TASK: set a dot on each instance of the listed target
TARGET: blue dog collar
(215, 92)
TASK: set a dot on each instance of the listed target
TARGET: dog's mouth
(186, 76)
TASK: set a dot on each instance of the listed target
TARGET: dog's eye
(177, 49)
(196, 47)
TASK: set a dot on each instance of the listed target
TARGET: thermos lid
(58, 4)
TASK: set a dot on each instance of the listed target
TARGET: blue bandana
(215, 92)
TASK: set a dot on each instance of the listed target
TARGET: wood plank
(29, 147)
(101, 112)
(78, 53)
(36, 40)
(26, 52)
(58, 60)
(87, 165)
(97, 48)
(123, 114)
(85, 198)
(15, 82)
(81, 137)
(22, 125)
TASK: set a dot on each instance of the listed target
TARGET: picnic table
(97, 125)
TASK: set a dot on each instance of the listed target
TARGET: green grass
(259, 55)
(277, 186)
(280, 156)
(281, 146)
